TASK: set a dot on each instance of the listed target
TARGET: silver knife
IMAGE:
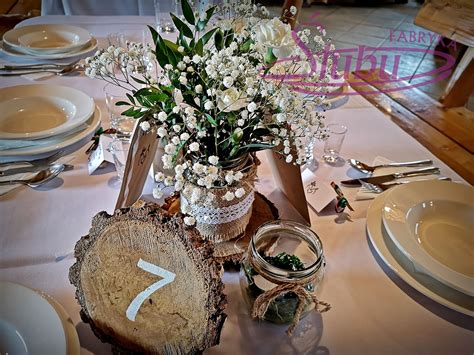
(386, 178)
(31, 169)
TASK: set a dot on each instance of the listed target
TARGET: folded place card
(319, 194)
(102, 153)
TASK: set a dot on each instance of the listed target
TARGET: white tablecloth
(374, 311)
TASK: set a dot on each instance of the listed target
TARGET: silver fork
(379, 188)
(64, 71)
(38, 162)
(39, 66)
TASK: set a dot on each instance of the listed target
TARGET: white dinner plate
(38, 111)
(28, 323)
(432, 223)
(10, 51)
(403, 267)
(61, 142)
(47, 39)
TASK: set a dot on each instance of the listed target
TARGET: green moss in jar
(283, 308)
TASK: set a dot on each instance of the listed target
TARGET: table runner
(373, 312)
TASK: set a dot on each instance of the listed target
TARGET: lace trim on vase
(221, 215)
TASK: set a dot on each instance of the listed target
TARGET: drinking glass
(332, 145)
(162, 14)
(119, 149)
(114, 94)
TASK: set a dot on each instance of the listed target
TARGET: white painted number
(167, 277)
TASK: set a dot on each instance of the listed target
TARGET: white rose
(230, 100)
(277, 35)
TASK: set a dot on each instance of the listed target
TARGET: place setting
(38, 125)
(45, 50)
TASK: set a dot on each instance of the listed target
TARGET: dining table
(373, 310)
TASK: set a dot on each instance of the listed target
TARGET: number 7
(167, 277)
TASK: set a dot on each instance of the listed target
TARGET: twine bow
(263, 301)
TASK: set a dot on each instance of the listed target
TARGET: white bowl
(38, 111)
(432, 223)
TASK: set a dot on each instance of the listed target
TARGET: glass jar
(258, 275)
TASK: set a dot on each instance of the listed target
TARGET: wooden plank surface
(453, 19)
(457, 124)
(461, 83)
(441, 145)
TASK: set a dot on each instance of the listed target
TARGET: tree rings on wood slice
(146, 283)
(231, 252)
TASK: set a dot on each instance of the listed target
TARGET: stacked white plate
(424, 232)
(34, 323)
(41, 119)
(48, 42)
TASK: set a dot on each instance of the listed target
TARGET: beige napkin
(364, 194)
(7, 188)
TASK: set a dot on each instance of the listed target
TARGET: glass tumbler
(119, 149)
(163, 8)
(114, 94)
(259, 274)
(332, 146)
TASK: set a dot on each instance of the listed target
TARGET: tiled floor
(383, 26)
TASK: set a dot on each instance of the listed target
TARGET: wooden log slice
(184, 316)
(231, 252)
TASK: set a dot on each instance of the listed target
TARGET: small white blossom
(194, 147)
(170, 148)
(159, 176)
(293, 10)
(228, 81)
(176, 128)
(183, 80)
(162, 116)
(168, 181)
(208, 105)
(289, 158)
(198, 89)
(181, 65)
(176, 109)
(213, 160)
(162, 132)
(252, 106)
(145, 126)
(184, 136)
(157, 192)
(181, 49)
(196, 59)
(190, 221)
(240, 192)
(229, 196)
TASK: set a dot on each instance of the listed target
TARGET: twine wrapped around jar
(222, 220)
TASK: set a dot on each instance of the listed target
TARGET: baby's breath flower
(145, 126)
(214, 160)
(229, 196)
(190, 221)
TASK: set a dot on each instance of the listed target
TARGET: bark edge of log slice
(185, 316)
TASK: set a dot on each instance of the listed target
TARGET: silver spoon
(39, 179)
(367, 169)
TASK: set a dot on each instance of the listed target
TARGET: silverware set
(57, 69)
(46, 169)
(378, 184)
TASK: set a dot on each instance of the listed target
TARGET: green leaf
(154, 34)
(253, 147)
(237, 135)
(139, 81)
(207, 36)
(187, 12)
(210, 12)
(201, 25)
(211, 120)
(199, 48)
(219, 39)
(270, 58)
(245, 47)
(130, 97)
(229, 37)
(161, 52)
(181, 26)
(122, 103)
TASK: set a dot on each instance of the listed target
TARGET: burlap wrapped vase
(221, 220)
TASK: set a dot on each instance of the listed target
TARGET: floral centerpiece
(219, 93)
